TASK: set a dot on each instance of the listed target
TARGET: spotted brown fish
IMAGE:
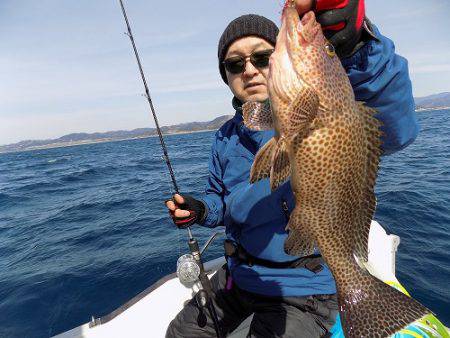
(329, 146)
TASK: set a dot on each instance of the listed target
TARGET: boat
(149, 313)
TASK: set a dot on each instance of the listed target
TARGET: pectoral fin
(281, 168)
(303, 109)
(272, 161)
(263, 161)
(257, 115)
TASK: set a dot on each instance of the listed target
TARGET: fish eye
(330, 49)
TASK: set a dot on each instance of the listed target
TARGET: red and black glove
(342, 23)
(196, 209)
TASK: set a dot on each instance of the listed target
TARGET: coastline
(111, 139)
(104, 140)
(418, 110)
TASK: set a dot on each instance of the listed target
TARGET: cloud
(34, 82)
(434, 60)
(430, 68)
(419, 11)
(190, 86)
(170, 38)
(437, 52)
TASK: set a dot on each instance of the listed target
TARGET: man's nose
(250, 70)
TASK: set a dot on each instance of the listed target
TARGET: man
(288, 296)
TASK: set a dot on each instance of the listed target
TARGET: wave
(45, 163)
(38, 187)
(8, 201)
(87, 174)
(84, 210)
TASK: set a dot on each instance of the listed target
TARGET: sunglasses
(236, 64)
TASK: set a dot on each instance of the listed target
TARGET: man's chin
(258, 97)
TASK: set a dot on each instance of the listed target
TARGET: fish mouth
(299, 31)
(288, 68)
(308, 28)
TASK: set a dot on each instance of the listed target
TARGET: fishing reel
(192, 274)
(188, 271)
(189, 266)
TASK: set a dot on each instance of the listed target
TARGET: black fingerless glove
(197, 211)
(342, 23)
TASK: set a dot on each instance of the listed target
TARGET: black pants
(298, 317)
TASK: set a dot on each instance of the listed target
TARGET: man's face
(251, 84)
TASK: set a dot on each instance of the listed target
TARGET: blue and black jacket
(254, 216)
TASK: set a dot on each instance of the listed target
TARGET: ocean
(83, 229)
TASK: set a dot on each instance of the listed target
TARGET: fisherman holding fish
(289, 296)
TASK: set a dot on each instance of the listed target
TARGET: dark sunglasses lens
(235, 65)
(261, 59)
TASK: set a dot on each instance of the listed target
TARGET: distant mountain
(85, 138)
(433, 101)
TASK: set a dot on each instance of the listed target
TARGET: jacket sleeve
(213, 197)
(380, 78)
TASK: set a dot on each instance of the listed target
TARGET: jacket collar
(237, 105)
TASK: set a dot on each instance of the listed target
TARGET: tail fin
(371, 308)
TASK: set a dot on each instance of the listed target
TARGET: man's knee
(179, 326)
(287, 320)
(171, 330)
(190, 322)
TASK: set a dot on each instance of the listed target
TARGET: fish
(328, 145)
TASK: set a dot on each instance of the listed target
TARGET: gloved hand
(341, 21)
(186, 210)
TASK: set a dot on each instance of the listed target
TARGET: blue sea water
(83, 229)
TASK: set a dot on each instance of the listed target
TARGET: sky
(67, 66)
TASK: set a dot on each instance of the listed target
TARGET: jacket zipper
(285, 208)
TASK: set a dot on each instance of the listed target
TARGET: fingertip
(178, 198)
(170, 205)
(182, 213)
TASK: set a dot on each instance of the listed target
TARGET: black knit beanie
(246, 25)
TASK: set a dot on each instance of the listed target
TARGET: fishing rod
(203, 296)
